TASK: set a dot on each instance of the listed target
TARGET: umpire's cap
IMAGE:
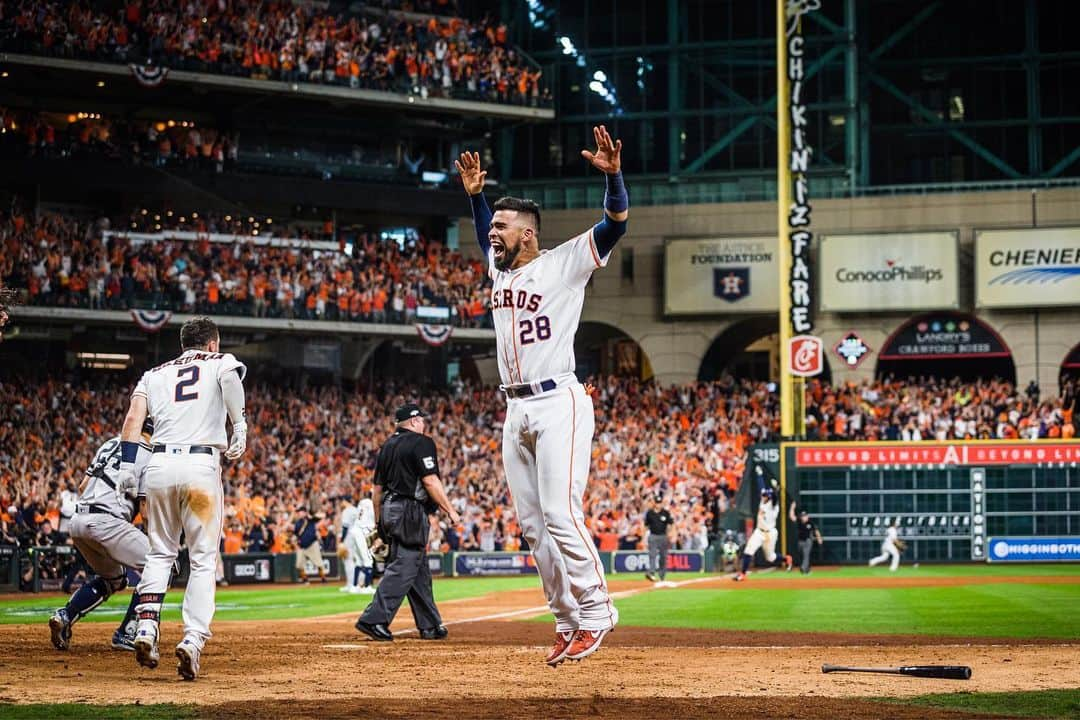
(407, 411)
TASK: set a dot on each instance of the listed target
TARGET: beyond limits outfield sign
(888, 272)
(706, 276)
(1033, 549)
(1027, 268)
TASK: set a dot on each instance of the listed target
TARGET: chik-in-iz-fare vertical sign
(802, 353)
(799, 233)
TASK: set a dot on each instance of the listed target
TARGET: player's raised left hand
(608, 155)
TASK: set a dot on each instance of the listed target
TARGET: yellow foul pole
(783, 205)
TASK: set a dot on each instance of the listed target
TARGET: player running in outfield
(890, 546)
(547, 436)
(188, 399)
(102, 531)
(765, 533)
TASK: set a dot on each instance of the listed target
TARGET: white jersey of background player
(356, 541)
(101, 529)
(547, 436)
(888, 547)
(348, 561)
(188, 399)
(765, 533)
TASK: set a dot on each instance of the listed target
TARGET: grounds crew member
(808, 535)
(407, 489)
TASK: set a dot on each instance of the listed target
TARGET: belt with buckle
(193, 449)
(526, 389)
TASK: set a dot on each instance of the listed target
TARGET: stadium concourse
(308, 446)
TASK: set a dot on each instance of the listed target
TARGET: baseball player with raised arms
(101, 529)
(536, 305)
(890, 547)
(188, 399)
(765, 533)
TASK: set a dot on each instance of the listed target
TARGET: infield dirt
(491, 667)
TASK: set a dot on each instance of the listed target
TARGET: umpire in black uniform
(407, 490)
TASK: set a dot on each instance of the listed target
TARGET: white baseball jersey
(766, 515)
(536, 309)
(365, 519)
(890, 535)
(184, 398)
(101, 476)
(348, 516)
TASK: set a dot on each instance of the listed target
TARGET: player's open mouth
(498, 248)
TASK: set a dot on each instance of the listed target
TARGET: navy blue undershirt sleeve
(481, 214)
(606, 233)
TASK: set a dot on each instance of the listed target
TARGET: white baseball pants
(887, 550)
(764, 539)
(183, 494)
(547, 445)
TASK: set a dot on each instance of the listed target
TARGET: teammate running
(547, 436)
(101, 530)
(890, 546)
(187, 399)
(765, 533)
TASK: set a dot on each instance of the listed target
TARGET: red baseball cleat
(557, 653)
(740, 577)
(585, 643)
(788, 563)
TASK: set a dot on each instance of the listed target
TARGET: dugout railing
(952, 498)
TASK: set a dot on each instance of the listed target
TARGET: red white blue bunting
(151, 320)
(434, 335)
(149, 76)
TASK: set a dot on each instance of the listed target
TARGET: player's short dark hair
(521, 205)
(197, 333)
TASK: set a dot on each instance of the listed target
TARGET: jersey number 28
(192, 373)
(531, 331)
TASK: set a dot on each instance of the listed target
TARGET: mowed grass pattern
(252, 604)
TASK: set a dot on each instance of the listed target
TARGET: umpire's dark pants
(658, 552)
(407, 574)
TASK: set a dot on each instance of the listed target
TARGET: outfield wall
(952, 498)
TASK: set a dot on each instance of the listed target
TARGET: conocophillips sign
(705, 276)
(1027, 268)
(888, 272)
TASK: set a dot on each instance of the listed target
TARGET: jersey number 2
(531, 332)
(192, 372)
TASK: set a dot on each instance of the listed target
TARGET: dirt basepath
(491, 667)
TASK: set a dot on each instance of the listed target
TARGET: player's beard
(509, 255)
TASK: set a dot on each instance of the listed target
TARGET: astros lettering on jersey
(536, 309)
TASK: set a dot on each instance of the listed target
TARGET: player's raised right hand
(472, 177)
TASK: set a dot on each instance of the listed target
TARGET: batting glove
(239, 441)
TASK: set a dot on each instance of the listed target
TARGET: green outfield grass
(251, 604)
(1025, 610)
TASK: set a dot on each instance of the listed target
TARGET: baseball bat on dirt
(945, 672)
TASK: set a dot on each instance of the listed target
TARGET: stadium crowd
(310, 447)
(66, 263)
(428, 56)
